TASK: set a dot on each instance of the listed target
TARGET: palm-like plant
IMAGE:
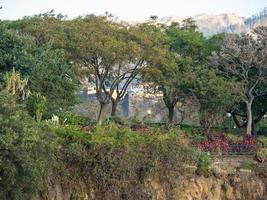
(37, 105)
(15, 84)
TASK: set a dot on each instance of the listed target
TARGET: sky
(129, 9)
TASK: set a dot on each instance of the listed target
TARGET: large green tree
(15, 51)
(52, 76)
(175, 64)
(112, 54)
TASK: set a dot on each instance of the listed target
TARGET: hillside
(211, 24)
(226, 22)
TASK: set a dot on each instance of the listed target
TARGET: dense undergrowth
(114, 161)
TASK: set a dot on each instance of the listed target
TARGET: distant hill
(227, 22)
(211, 24)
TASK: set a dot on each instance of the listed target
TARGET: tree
(243, 59)
(52, 76)
(15, 51)
(214, 95)
(163, 73)
(100, 49)
(174, 64)
(43, 28)
(191, 49)
(112, 54)
(142, 40)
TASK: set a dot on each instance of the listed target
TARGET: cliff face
(234, 187)
(225, 183)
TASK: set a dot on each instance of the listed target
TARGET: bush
(263, 141)
(71, 132)
(118, 160)
(261, 154)
(26, 156)
(248, 165)
(68, 118)
(234, 138)
(248, 144)
(204, 164)
(215, 142)
(117, 120)
(219, 142)
(113, 160)
(140, 127)
(36, 105)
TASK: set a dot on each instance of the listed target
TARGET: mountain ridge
(211, 24)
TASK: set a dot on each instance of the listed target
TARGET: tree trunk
(171, 113)
(102, 113)
(249, 117)
(115, 103)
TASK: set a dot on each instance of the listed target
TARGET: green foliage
(261, 155)
(15, 51)
(263, 141)
(26, 155)
(262, 125)
(113, 155)
(46, 50)
(204, 164)
(52, 77)
(16, 85)
(37, 105)
(72, 132)
(69, 118)
(234, 138)
(250, 165)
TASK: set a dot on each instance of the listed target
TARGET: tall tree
(184, 50)
(163, 75)
(15, 51)
(113, 54)
(244, 59)
(51, 76)
(142, 42)
(100, 49)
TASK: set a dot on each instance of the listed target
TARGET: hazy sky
(130, 10)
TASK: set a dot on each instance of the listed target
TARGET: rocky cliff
(227, 182)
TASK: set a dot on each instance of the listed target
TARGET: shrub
(234, 138)
(204, 164)
(248, 165)
(140, 127)
(117, 120)
(71, 132)
(118, 160)
(36, 105)
(69, 118)
(27, 152)
(215, 142)
(219, 142)
(263, 141)
(192, 131)
(261, 154)
(248, 144)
